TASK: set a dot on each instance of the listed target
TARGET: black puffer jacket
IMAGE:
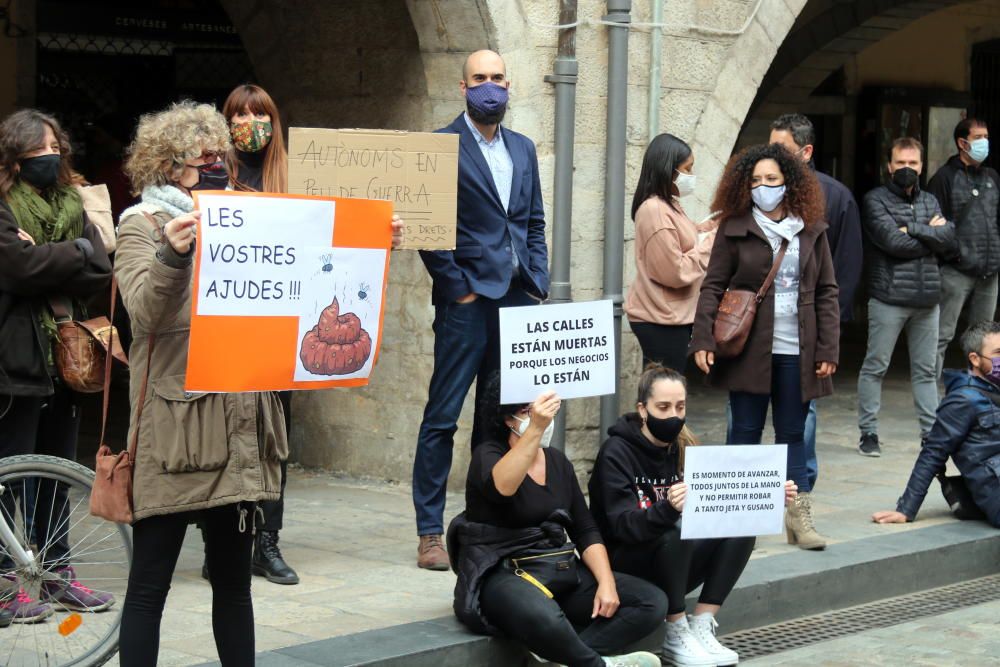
(476, 548)
(29, 275)
(969, 197)
(903, 266)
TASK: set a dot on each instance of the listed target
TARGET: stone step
(773, 589)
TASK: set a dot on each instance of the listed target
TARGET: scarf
(56, 215)
(787, 228)
(164, 198)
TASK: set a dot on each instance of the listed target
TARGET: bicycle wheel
(65, 576)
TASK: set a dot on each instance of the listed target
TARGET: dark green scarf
(56, 215)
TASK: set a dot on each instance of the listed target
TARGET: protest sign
(287, 292)
(733, 491)
(416, 171)
(566, 347)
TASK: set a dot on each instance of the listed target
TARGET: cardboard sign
(416, 171)
(288, 291)
(734, 491)
(566, 347)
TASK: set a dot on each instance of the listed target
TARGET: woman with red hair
(772, 212)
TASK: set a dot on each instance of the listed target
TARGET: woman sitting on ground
(637, 495)
(522, 497)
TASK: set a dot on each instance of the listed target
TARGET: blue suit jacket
(481, 261)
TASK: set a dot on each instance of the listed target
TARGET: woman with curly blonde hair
(772, 214)
(199, 457)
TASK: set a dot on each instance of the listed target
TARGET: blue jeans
(789, 416)
(812, 464)
(466, 348)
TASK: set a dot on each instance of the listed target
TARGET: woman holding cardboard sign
(771, 254)
(637, 495)
(517, 573)
(199, 457)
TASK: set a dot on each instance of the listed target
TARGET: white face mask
(768, 197)
(522, 426)
(685, 183)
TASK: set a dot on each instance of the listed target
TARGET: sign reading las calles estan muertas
(567, 348)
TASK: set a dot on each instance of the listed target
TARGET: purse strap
(774, 271)
(108, 359)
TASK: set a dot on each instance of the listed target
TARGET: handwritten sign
(567, 348)
(416, 171)
(288, 291)
(734, 491)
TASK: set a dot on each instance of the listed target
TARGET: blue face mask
(486, 102)
(979, 149)
(768, 197)
(994, 375)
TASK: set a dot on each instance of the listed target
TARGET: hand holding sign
(180, 232)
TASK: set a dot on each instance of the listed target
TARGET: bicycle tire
(55, 467)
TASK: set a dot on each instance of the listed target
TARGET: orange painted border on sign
(244, 353)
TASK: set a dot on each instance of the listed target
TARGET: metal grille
(111, 46)
(789, 635)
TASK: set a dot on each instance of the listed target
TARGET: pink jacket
(670, 264)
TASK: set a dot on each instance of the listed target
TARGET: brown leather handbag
(737, 311)
(111, 495)
(83, 347)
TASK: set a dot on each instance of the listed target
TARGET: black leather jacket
(968, 430)
(903, 266)
(476, 548)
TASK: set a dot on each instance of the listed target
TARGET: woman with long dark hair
(522, 498)
(671, 254)
(772, 209)
(50, 257)
(637, 494)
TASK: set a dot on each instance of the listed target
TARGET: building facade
(864, 70)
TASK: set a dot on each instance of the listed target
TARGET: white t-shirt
(786, 281)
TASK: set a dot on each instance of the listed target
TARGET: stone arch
(822, 42)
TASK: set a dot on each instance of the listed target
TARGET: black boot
(267, 560)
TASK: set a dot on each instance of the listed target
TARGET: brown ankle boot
(431, 554)
(799, 526)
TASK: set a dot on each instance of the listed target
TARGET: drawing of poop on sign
(337, 345)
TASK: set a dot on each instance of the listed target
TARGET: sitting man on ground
(967, 429)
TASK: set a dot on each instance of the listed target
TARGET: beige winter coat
(195, 450)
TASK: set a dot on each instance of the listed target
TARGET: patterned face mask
(251, 136)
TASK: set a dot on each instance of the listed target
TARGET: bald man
(500, 259)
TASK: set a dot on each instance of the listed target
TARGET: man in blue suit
(500, 259)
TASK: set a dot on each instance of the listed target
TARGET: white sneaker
(703, 628)
(637, 659)
(682, 649)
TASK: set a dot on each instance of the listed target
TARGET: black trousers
(157, 544)
(561, 629)
(663, 344)
(679, 566)
(41, 425)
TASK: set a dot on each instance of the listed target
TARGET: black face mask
(905, 177)
(212, 177)
(42, 171)
(664, 430)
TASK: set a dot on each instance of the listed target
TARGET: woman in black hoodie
(636, 497)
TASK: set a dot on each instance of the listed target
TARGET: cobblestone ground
(964, 638)
(354, 545)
